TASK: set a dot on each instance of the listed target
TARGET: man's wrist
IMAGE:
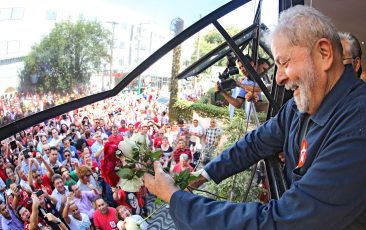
(170, 193)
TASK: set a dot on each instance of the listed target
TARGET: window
(5, 13)
(51, 15)
(17, 13)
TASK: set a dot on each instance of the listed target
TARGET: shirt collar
(341, 89)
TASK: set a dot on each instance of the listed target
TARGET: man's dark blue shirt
(327, 192)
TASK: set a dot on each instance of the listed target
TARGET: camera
(39, 193)
(73, 130)
(64, 116)
(26, 153)
(226, 83)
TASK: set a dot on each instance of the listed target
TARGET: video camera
(226, 83)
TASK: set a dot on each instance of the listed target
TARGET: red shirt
(90, 142)
(115, 139)
(178, 168)
(106, 222)
(46, 181)
(3, 174)
(179, 152)
(122, 130)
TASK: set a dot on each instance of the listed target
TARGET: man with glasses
(69, 147)
(352, 52)
(69, 161)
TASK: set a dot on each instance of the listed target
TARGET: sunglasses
(87, 175)
(67, 155)
(46, 149)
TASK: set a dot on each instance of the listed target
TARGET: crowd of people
(14, 106)
(51, 175)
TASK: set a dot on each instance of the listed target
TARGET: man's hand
(162, 185)
(38, 156)
(91, 187)
(216, 87)
(70, 199)
(35, 200)
(52, 218)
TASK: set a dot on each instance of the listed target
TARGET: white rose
(131, 223)
(126, 147)
(133, 185)
(138, 138)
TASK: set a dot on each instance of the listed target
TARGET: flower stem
(156, 210)
(200, 190)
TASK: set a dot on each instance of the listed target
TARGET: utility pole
(111, 48)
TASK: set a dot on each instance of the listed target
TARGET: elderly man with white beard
(322, 132)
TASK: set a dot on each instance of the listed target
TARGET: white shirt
(58, 197)
(82, 224)
(25, 185)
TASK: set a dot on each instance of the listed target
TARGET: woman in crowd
(64, 129)
(123, 212)
(167, 152)
(12, 178)
(85, 176)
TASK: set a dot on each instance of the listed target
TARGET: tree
(210, 41)
(177, 27)
(65, 59)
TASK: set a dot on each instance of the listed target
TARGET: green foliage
(186, 109)
(233, 188)
(66, 57)
(211, 40)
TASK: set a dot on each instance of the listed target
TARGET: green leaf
(125, 173)
(192, 178)
(139, 173)
(156, 155)
(158, 201)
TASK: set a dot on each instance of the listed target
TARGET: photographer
(17, 197)
(46, 205)
(66, 142)
(32, 219)
(249, 89)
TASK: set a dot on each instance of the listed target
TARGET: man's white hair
(304, 25)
